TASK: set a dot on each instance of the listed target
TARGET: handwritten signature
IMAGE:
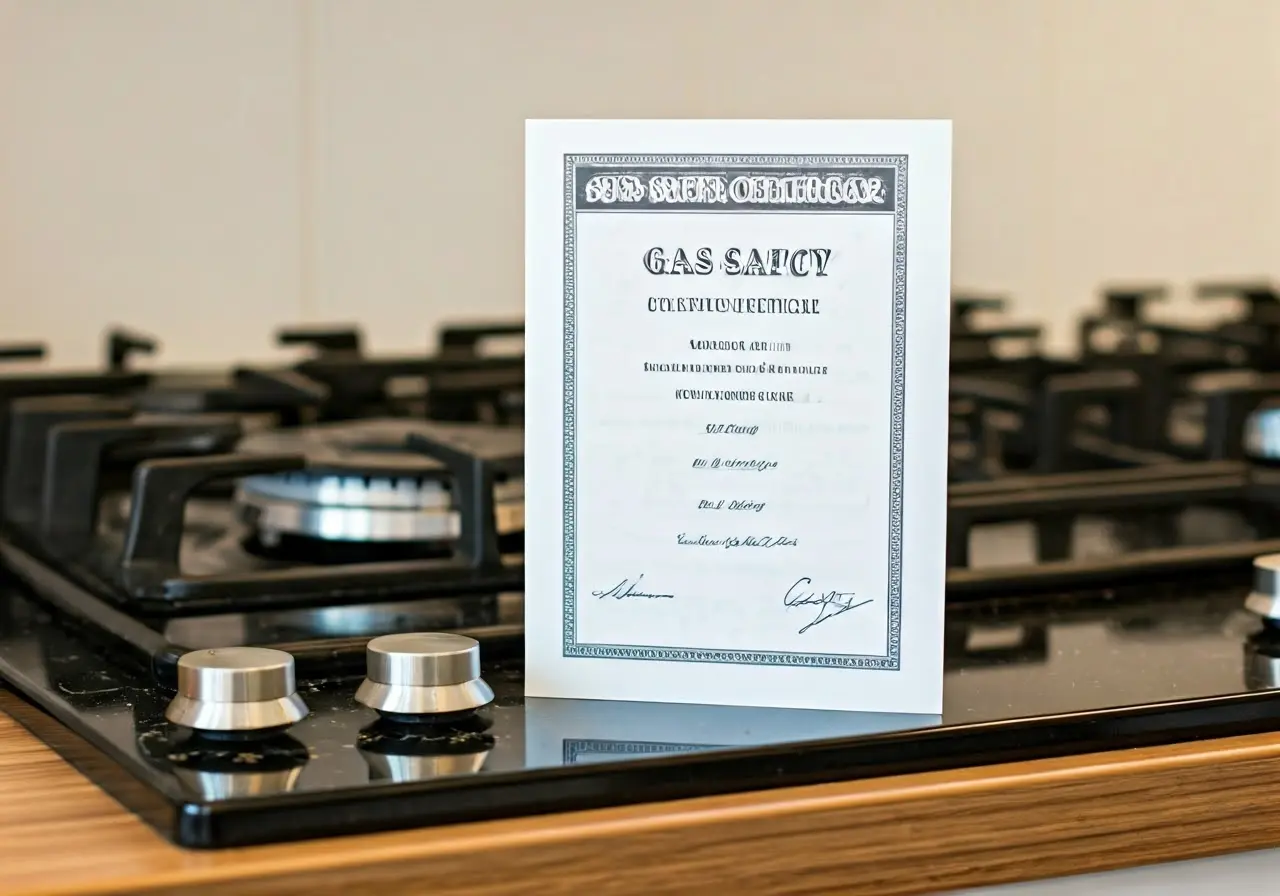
(829, 603)
(627, 588)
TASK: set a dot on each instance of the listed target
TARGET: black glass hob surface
(1101, 669)
(1104, 514)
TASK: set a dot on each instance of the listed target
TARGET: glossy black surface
(1024, 678)
(1103, 515)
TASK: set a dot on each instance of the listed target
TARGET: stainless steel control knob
(1264, 600)
(236, 689)
(427, 673)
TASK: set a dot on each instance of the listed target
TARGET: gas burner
(362, 483)
(1262, 433)
(337, 514)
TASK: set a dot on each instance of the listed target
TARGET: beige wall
(207, 169)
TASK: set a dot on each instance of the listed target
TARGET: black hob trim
(292, 817)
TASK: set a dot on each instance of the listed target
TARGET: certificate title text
(719, 189)
(823, 186)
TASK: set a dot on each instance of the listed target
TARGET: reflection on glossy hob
(1057, 674)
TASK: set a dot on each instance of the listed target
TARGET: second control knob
(230, 690)
(1264, 600)
(423, 674)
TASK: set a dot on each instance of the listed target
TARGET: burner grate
(137, 560)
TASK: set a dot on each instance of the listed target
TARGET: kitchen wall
(207, 171)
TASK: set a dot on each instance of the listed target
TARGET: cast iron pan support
(477, 467)
(161, 489)
(73, 465)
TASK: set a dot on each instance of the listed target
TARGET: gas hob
(278, 602)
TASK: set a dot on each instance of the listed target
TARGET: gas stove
(278, 602)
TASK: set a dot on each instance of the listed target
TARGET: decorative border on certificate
(827, 203)
(576, 750)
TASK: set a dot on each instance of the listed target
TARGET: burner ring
(405, 493)
(274, 518)
(361, 484)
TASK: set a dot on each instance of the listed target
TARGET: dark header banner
(735, 188)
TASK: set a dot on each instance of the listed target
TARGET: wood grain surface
(909, 834)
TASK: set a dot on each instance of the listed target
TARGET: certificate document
(736, 411)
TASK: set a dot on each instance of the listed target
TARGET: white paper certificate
(736, 411)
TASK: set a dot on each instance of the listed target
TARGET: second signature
(830, 604)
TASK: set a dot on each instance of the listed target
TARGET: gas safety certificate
(736, 411)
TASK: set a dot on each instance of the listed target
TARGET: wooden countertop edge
(908, 834)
